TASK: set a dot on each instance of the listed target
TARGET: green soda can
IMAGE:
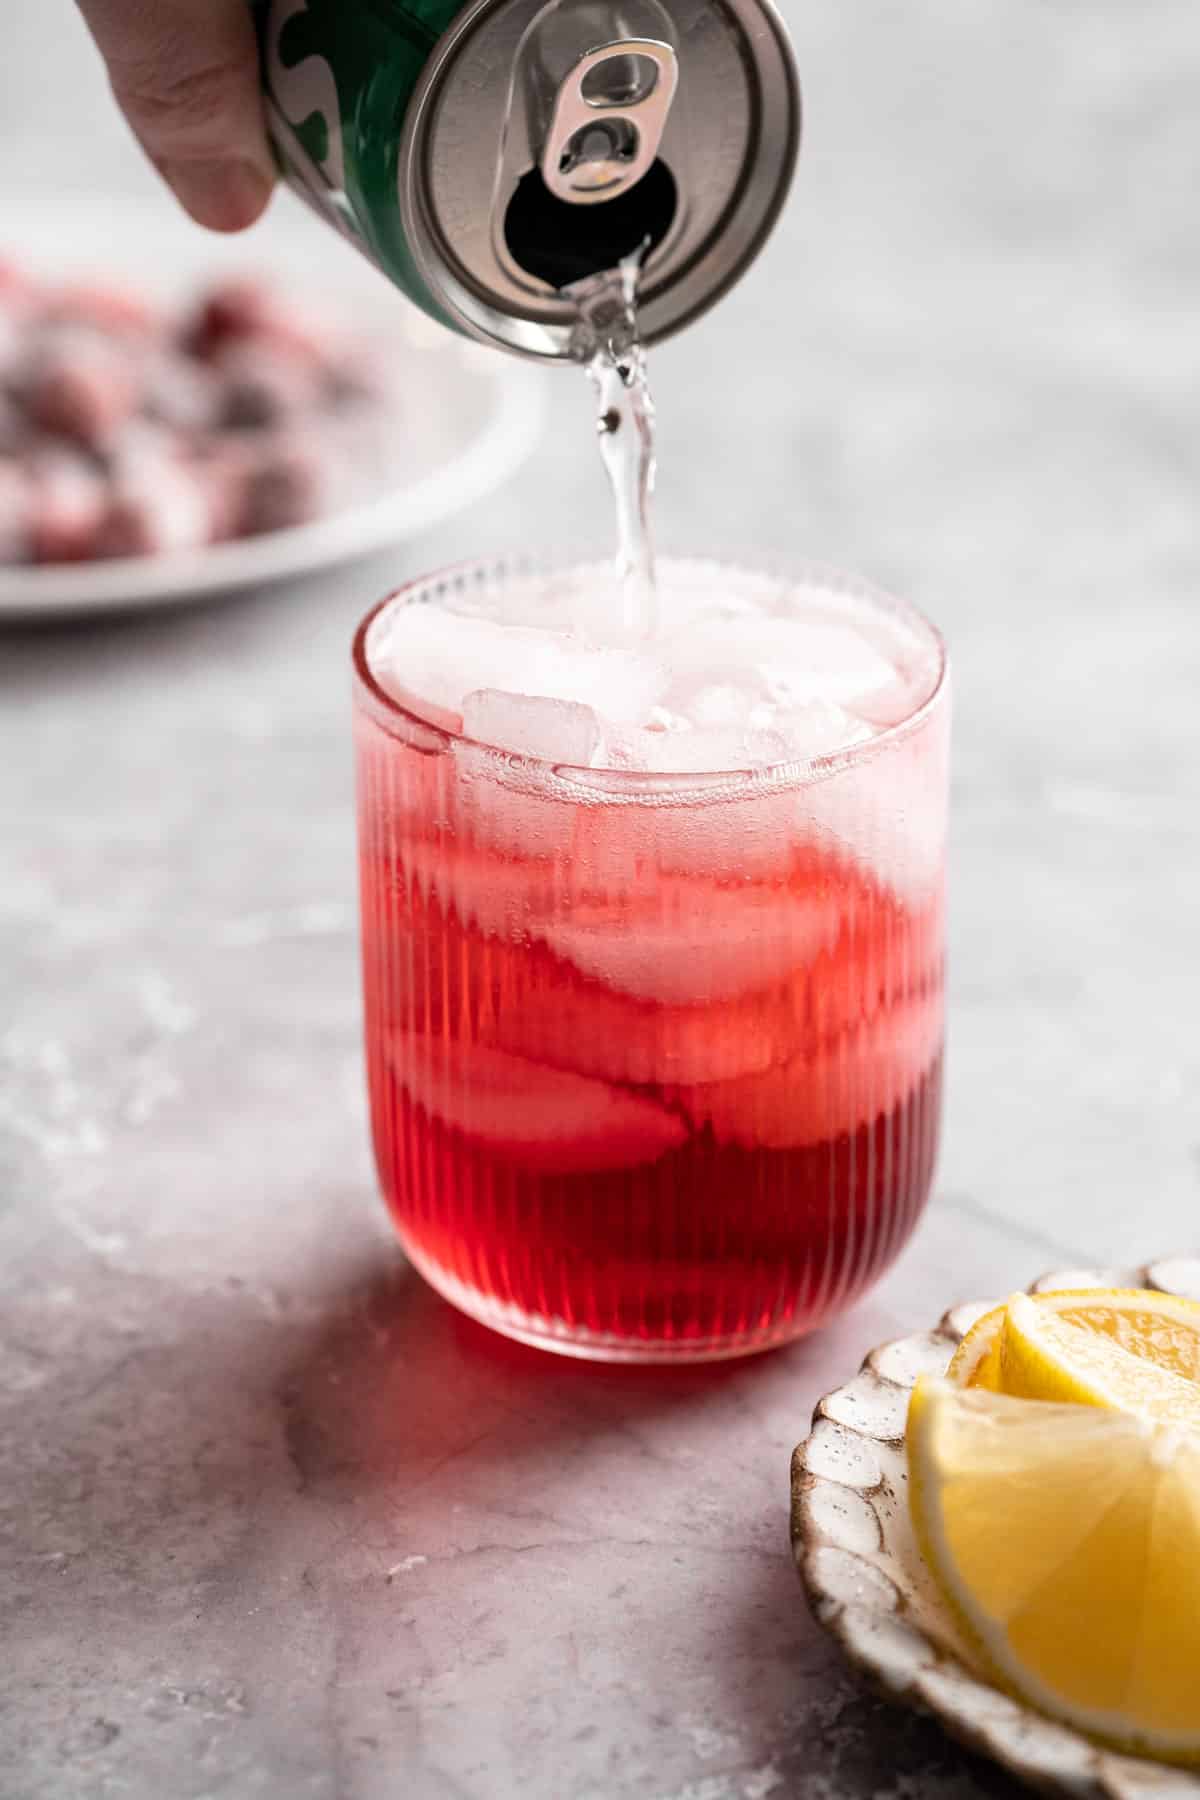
(488, 156)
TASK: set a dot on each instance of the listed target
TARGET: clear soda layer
(653, 947)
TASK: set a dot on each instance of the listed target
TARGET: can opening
(560, 243)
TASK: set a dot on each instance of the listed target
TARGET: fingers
(185, 73)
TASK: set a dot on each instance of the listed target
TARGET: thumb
(185, 73)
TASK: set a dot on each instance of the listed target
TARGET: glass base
(590, 1346)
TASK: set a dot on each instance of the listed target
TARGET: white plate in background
(471, 415)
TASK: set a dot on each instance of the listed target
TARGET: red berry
(67, 504)
(247, 311)
(286, 486)
(156, 502)
(181, 394)
(83, 390)
(18, 294)
(14, 429)
(264, 387)
(154, 515)
(15, 509)
(113, 311)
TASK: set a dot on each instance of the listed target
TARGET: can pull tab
(609, 116)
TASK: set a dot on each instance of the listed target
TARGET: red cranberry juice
(634, 1093)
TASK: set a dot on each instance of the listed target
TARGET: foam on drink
(778, 671)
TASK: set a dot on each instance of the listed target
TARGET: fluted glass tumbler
(654, 1060)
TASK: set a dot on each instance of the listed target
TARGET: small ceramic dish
(866, 1582)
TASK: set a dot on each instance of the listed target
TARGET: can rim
(542, 339)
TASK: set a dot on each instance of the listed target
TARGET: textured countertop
(273, 1520)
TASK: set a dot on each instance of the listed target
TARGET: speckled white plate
(867, 1584)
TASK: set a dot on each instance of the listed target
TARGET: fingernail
(225, 196)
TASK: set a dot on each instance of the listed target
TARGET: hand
(185, 73)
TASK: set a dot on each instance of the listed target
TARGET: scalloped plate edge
(848, 1514)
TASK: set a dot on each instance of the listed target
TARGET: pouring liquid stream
(607, 342)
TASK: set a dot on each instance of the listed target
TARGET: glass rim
(615, 782)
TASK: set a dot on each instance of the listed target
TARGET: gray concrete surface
(277, 1523)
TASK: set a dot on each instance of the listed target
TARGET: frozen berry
(131, 434)
(353, 379)
(18, 294)
(264, 388)
(248, 311)
(220, 465)
(181, 394)
(285, 486)
(82, 390)
(15, 514)
(112, 311)
(67, 502)
(14, 428)
(158, 513)
(12, 346)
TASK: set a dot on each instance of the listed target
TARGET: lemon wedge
(1043, 1356)
(1158, 1328)
(976, 1362)
(1067, 1541)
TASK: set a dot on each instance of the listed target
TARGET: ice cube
(597, 1030)
(689, 594)
(708, 942)
(559, 731)
(914, 680)
(620, 685)
(786, 660)
(539, 1117)
(818, 1095)
(888, 811)
(765, 738)
(720, 703)
(707, 752)
(886, 706)
(819, 728)
(427, 656)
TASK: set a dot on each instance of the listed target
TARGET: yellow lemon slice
(976, 1362)
(1043, 1356)
(1067, 1541)
(1159, 1328)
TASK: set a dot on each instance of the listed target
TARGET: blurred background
(967, 366)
